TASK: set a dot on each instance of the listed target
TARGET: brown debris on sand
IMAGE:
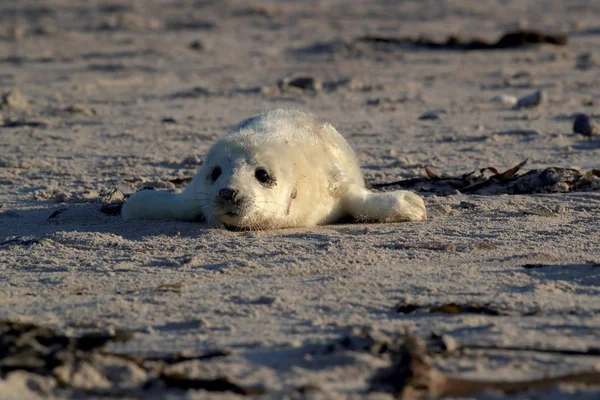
(80, 363)
(510, 40)
(39, 349)
(548, 180)
(412, 375)
(585, 126)
(453, 308)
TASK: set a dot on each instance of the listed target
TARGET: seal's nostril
(228, 194)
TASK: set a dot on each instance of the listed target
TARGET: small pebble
(587, 102)
(350, 83)
(585, 126)
(308, 83)
(14, 99)
(559, 209)
(196, 45)
(451, 345)
(485, 245)
(531, 100)
(267, 300)
(585, 61)
(433, 114)
(541, 211)
(467, 205)
(80, 109)
(192, 160)
(505, 100)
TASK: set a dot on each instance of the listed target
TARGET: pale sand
(101, 81)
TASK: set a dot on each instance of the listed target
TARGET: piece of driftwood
(413, 376)
(549, 180)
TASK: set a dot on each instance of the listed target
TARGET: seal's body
(279, 169)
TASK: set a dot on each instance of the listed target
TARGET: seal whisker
(200, 208)
(269, 211)
(255, 226)
(268, 202)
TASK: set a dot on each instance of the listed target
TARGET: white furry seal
(279, 169)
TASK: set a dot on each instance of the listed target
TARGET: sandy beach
(100, 99)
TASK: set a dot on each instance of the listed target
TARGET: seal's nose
(228, 194)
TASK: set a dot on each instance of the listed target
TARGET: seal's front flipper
(154, 204)
(401, 205)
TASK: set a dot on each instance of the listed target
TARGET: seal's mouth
(234, 228)
(231, 217)
(229, 212)
(232, 223)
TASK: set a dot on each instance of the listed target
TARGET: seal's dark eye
(215, 174)
(262, 176)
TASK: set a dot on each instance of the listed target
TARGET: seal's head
(246, 183)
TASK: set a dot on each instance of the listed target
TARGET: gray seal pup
(278, 169)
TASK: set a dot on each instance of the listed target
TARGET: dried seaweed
(12, 123)
(112, 201)
(21, 242)
(593, 264)
(42, 351)
(171, 287)
(39, 349)
(522, 38)
(177, 358)
(56, 213)
(378, 343)
(549, 180)
(111, 209)
(590, 351)
(511, 40)
(404, 308)
(221, 384)
(423, 246)
(536, 266)
(193, 93)
(412, 375)
(452, 308)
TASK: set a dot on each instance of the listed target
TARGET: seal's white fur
(315, 179)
